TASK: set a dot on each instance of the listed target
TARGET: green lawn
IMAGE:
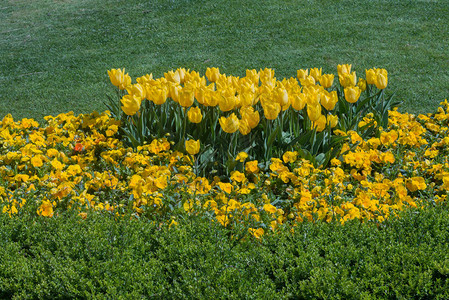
(54, 54)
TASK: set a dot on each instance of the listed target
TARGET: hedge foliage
(103, 257)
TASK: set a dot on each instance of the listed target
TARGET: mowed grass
(54, 54)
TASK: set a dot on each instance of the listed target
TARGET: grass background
(54, 54)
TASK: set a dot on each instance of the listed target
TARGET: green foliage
(104, 256)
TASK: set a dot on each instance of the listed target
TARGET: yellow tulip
(344, 69)
(192, 146)
(244, 127)
(247, 98)
(173, 77)
(186, 97)
(250, 115)
(212, 74)
(131, 104)
(370, 76)
(329, 100)
(227, 100)
(119, 78)
(314, 112)
(194, 114)
(266, 75)
(313, 97)
(280, 95)
(174, 92)
(158, 95)
(308, 81)
(212, 99)
(299, 101)
(302, 74)
(352, 94)
(362, 84)
(271, 110)
(137, 90)
(332, 120)
(253, 76)
(144, 80)
(381, 81)
(182, 74)
(347, 79)
(229, 124)
(320, 123)
(315, 73)
(326, 80)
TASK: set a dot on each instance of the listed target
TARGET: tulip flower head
(119, 78)
(194, 114)
(131, 104)
(212, 74)
(192, 146)
(381, 79)
(352, 94)
(302, 74)
(229, 124)
(326, 80)
(186, 97)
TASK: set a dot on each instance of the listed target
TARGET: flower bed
(83, 163)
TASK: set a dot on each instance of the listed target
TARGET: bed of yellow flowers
(78, 163)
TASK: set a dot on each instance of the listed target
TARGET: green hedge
(67, 257)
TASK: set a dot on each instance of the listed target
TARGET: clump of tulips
(218, 117)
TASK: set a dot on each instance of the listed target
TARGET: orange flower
(78, 147)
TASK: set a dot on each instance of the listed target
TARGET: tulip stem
(183, 138)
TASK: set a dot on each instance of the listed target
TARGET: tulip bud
(271, 110)
(344, 69)
(320, 123)
(315, 73)
(186, 97)
(192, 146)
(382, 81)
(253, 76)
(326, 80)
(172, 77)
(329, 100)
(137, 90)
(348, 79)
(229, 124)
(302, 74)
(182, 74)
(131, 104)
(212, 74)
(314, 112)
(194, 114)
(332, 120)
(352, 94)
(159, 95)
(244, 127)
(313, 98)
(299, 101)
(250, 115)
(119, 78)
(370, 76)
(227, 100)
(266, 75)
(281, 96)
(174, 92)
(362, 84)
(308, 81)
